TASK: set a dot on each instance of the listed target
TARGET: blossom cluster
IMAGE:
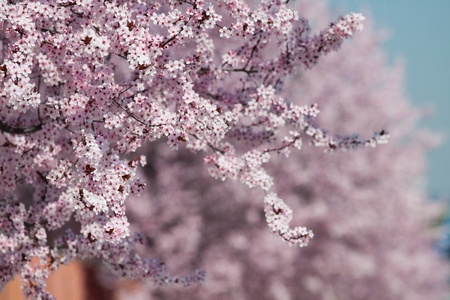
(84, 84)
(278, 216)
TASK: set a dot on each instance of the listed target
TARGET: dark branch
(15, 130)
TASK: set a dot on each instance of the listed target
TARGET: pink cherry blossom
(84, 85)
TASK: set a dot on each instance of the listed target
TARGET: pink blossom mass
(115, 116)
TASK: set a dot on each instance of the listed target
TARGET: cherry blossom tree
(368, 209)
(204, 76)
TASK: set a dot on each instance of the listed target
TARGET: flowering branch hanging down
(65, 57)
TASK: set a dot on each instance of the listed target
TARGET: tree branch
(15, 130)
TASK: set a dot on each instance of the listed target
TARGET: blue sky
(420, 35)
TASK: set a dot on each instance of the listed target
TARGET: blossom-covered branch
(107, 76)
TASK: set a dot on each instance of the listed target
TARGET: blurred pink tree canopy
(93, 90)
